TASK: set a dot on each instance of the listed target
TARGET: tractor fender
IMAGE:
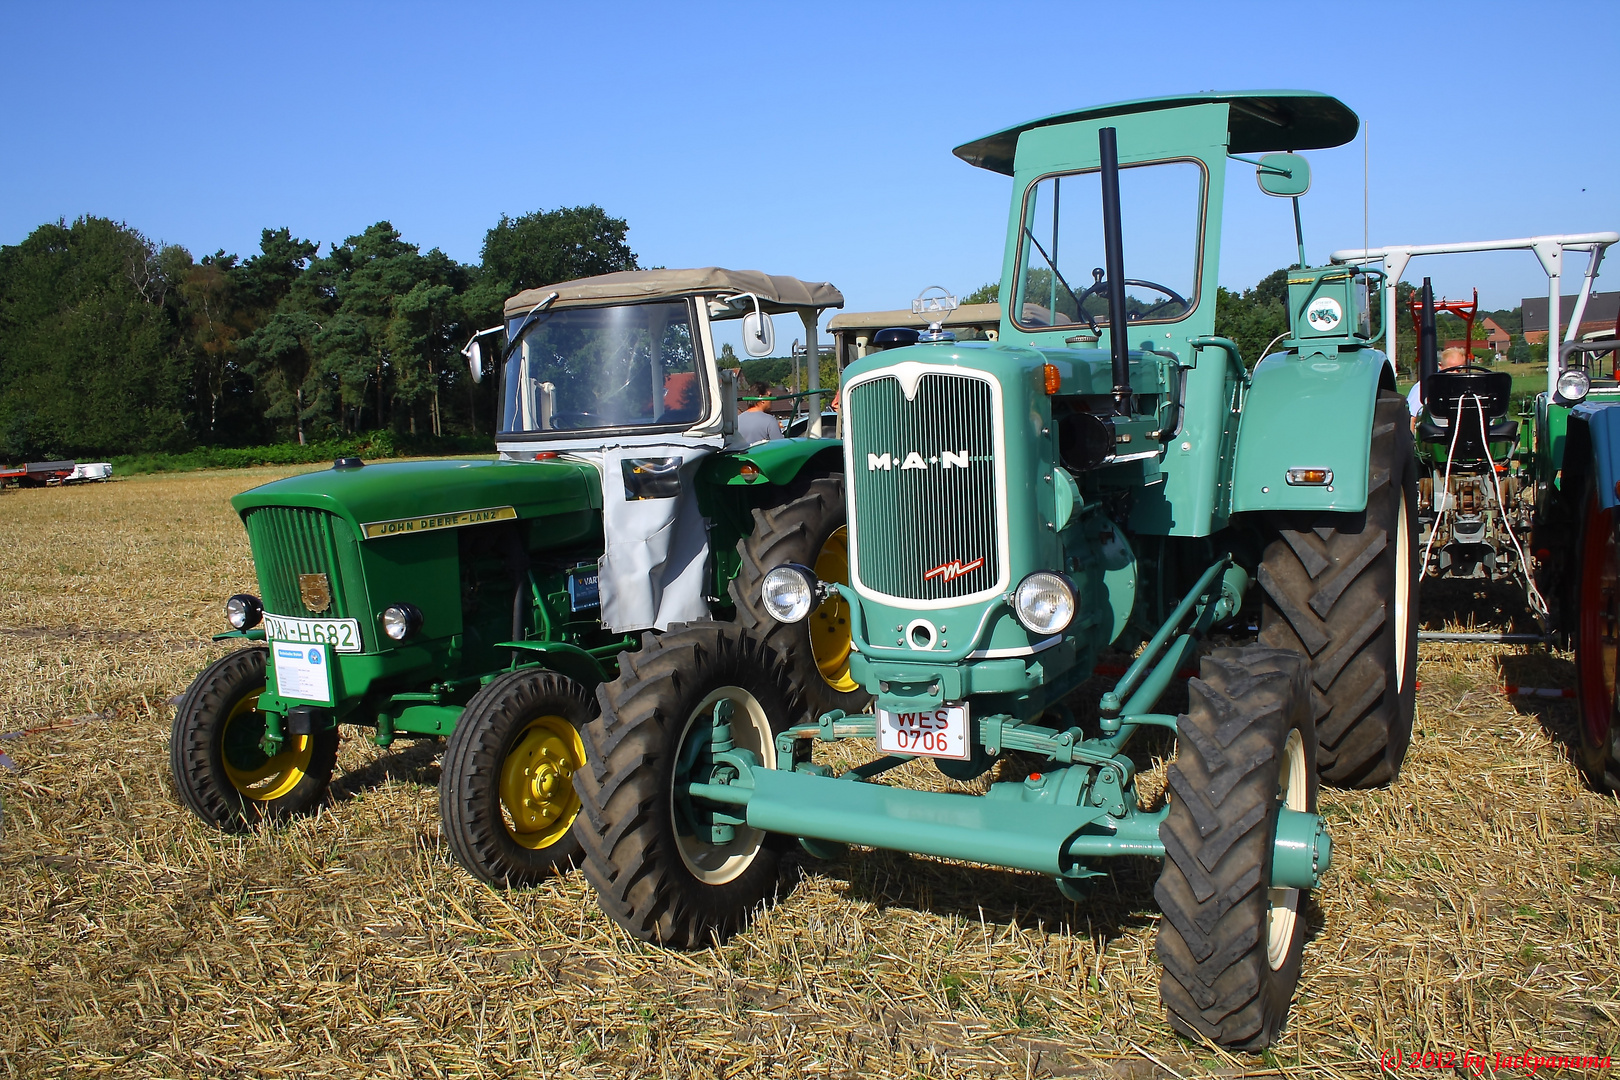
(1308, 412)
(776, 462)
(565, 659)
(1592, 449)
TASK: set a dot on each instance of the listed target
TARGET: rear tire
(1341, 589)
(810, 530)
(1232, 946)
(506, 787)
(1596, 624)
(654, 875)
(219, 769)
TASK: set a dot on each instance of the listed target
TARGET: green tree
(552, 246)
(988, 293)
(88, 334)
(1254, 318)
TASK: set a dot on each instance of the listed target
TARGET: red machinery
(1464, 309)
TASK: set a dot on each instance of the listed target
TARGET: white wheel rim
(1283, 915)
(716, 864)
(1403, 591)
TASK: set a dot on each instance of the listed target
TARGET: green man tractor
(484, 601)
(1107, 472)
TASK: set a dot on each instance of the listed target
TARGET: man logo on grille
(953, 569)
(945, 460)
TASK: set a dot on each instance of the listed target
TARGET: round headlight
(1573, 385)
(1044, 602)
(788, 592)
(400, 621)
(243, 612)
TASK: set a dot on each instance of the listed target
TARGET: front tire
(506, 787)
(1341, 590)
(666, 867)
(811, 531)
(219, 768)
(1597, 625)
(1231, 945)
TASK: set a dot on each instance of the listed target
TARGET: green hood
(420, 495)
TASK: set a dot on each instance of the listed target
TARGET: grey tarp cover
(653, 571)
(777, 295)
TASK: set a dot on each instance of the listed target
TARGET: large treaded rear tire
(810, 531)
(1230, 945)
(1594, 617)
(506, 787)
(642, 871)
(1333, 589)
(213, 751)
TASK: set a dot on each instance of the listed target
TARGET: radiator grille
(288, 541)
(925, 487)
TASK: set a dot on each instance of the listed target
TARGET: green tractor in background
(484, 601)
(1105, 473)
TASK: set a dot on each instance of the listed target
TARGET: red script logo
(953, 569)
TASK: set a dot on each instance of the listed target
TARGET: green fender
(777, 462)
(1312, 411)
(565, 659)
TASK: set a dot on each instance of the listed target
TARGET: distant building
(1496, 337)
(1602, 308)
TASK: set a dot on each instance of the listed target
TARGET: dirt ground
(1473, 906)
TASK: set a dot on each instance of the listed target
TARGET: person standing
(755, 425)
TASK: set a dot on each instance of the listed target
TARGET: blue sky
(811, 140)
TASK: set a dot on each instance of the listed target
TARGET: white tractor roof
(777, 295)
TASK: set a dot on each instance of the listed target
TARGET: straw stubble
(1474, 904)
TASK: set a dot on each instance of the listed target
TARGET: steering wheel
(1099, 283)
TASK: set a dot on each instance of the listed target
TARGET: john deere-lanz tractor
(484, 601)
(1106, 473)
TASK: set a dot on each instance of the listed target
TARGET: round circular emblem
(1324, 313)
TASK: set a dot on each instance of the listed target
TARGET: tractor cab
(630, 356)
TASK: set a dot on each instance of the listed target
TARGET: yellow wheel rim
(829, 623)
(255, 775)
(537, 782)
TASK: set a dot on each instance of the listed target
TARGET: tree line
(113, 344)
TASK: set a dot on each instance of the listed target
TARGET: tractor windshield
(584, 369)
(1061, 281)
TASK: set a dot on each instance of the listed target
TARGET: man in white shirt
(755, 425)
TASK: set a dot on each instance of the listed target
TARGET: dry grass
(1473, 905)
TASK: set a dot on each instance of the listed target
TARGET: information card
(302, 672)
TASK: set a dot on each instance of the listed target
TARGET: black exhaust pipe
(1428, 344)
(1114, 262)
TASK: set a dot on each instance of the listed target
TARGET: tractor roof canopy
(1260, 120)
(777, 294)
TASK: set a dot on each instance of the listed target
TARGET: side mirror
(1284, 175)
(475, 360)
(759, 334)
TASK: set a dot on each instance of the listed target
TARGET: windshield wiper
(517, 335)
(1058, 274)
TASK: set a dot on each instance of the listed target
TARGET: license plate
(940, 732)
(342, 634)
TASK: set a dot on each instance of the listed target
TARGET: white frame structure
(1548, 249)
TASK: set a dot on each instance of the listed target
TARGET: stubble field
(1472, 906)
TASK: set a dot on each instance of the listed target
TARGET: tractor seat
(1445, 391)
(1501, 431)
(1449, 400)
